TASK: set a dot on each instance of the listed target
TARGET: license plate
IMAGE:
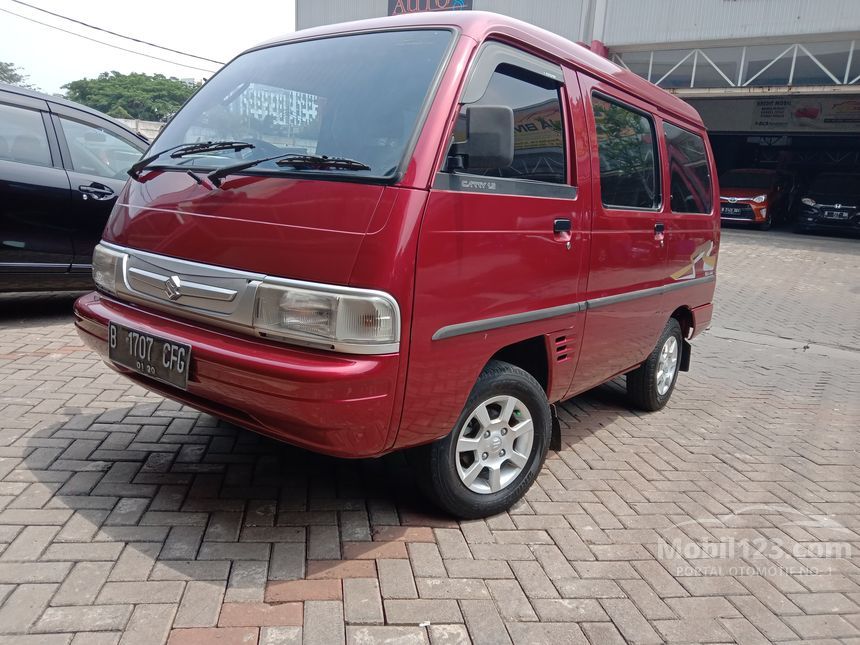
(730, 210)
(150, 355)
(836, 214)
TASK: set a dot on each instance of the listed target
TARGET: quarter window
(95, 151)
(689, 173)
(628, 156)
(538, 125)
(22, 136)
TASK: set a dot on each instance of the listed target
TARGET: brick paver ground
(732, 516)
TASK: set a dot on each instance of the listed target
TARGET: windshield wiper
(290, 159)
(184, 149)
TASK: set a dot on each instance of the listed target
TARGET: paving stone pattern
(731, 516)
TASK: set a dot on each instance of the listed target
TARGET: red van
(416, 233)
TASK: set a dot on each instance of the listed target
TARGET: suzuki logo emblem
(496, 443)
(173, 288)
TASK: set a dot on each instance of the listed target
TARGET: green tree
(119, 112)
(137, 96)
(11, 74)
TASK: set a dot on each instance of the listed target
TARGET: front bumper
(336, 404)
(749, 212)
(814, 219)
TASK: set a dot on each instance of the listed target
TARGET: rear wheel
(497, 446)
(650, 385)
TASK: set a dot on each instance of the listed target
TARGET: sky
(216, 29)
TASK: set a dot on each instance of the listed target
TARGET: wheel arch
(531, 355)
(684, 316)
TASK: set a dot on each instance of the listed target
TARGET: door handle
(561, 230)
(660, 232)
(96, 191)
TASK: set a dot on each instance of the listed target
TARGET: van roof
(479, 25)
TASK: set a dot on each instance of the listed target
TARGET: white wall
(676, 21)
(313, 13)
(149, 129)
(631, 23)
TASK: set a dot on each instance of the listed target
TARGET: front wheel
(651, 384)
(497, 446)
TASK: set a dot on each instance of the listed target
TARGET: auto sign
(397, 7)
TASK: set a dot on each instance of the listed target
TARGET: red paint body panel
(447, 257)
(701, 319)
(250, 224)
(625, 256)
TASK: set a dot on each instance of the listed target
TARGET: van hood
(304, 229)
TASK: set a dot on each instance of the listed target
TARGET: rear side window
(628, 156)
(689, 173)
(22, 136)
(538, 125)
(96, 151)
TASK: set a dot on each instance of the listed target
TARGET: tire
(643, 389)
(766, 224)
(500, 387)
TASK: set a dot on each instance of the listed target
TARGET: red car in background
(757, 196)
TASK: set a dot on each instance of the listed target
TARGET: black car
(61, 167)
(831, 203)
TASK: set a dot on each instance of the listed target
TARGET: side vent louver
(562, 349)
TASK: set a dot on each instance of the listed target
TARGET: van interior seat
(29, 149)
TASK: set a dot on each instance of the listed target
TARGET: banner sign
(797, 114)
(537, 126)
(397, 7)
(784, 114)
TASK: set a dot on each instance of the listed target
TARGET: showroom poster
(397, 7)
(795, 114)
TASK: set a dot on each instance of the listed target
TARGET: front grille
(188, 289)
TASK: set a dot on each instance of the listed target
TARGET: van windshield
(357, 96)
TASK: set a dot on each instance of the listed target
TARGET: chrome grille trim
(137, 282)
(190, 289)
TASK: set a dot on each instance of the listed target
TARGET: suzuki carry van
(419, 233)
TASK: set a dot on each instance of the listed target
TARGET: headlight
(350, 320)
(106, 263)
(760, 199)
(808, 201)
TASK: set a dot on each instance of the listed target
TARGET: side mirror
(489, 140)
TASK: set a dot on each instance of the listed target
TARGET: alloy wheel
(494, 444)
(667, 365)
